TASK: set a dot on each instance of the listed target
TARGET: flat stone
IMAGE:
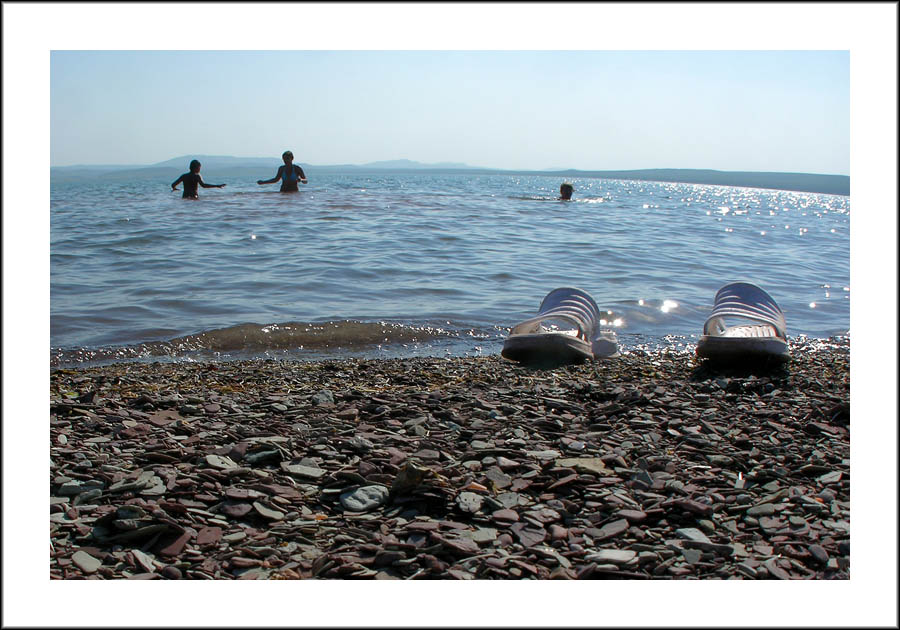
(86, 562)
(145, 560)
(818, 552)
(691, 556)
(385, 558)
(695, 507)
(543, 455)
(721, 549)
(693, 534)
(770, 525)
(527, 535)
(163, 418)
(423, 526)
(506, 464)
(365, 498)
(71, 489)
(773, 568)
(563, 481)
(632, 516)
(360, 444)
(746, 570)
(172, 573)
(484, 534)
(469, 502)
(88, 496)
(832, 477)
(236, 510)
(299, 470)
(763, 509)
(544, 515)
(176, 546)
(324, 397)
(242, 494)
(220, 461)
(236, 536)
(505, 515)
(612, 556)
(267, 512)
(610, 530)
(126, 485)
(209, 536)
(460, 545)
(510, 499)
(154, 487)
(588, 465)
(499, 478)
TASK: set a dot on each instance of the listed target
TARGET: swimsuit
(289, 178)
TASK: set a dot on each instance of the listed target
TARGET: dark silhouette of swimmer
(565, 191)
(191, 180)
(289, 174)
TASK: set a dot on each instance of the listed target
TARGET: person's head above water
(195, 166)
(287, 156)
(566, 190)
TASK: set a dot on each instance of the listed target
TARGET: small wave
(255, 339)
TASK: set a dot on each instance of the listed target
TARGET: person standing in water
(565, 191)
(191, 180)
(289, 174)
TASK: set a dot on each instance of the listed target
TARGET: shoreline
(645, 466)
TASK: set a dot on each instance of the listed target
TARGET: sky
(532, 110)
(513, 110)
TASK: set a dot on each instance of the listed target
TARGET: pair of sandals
(567, 330)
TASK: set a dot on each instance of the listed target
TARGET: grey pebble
(364, 499)
(692, 533)
(86, 562)
(613, 556)
(324, 397)
(469, 502)
(763, 509)
(818, 552)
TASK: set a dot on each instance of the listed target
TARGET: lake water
(421, 264)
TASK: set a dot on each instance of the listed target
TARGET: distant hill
(217, 161)
(254, 168)
(409, 164)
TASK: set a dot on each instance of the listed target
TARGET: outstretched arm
(177, 181)
(205, 185)
(274, 179)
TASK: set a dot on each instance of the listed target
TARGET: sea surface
(401, 265)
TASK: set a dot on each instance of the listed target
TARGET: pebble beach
(646, 466)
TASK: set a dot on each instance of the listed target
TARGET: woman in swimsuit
(289, 174)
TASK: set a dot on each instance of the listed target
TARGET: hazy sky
(738, 110)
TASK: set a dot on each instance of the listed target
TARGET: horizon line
(445, 164)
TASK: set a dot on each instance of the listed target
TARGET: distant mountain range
(229, 166)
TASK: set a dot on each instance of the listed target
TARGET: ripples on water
(405, 265)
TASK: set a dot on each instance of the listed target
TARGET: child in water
(289, 173)
(565, 191)
(191, 180)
